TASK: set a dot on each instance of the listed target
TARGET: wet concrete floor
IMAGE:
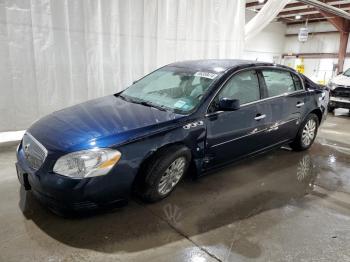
(280, 206)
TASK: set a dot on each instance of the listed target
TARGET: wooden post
(343, 26)
(344, 37)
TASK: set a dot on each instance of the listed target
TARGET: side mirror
(228, 104)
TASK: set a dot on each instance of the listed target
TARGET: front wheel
(306, 134)
(164, 172)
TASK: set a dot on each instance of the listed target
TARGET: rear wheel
(306, 134)
(164, 172)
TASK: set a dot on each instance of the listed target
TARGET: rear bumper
(63, 194)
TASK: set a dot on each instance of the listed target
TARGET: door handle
(259, 117)
(300, 104)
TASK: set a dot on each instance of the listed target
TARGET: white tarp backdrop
(60, 52)
(56, 53)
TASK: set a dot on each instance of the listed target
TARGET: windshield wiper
(142, 102)
(124, 98)
(146, 103)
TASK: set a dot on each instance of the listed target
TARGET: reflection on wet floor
(282, 205)
(223, 198)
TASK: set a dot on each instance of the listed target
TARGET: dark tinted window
(243, 86)
(297, 82)
(278, 82)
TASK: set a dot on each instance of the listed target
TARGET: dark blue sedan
(193, 115)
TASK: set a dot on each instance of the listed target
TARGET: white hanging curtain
(269, 11)
(58, 53)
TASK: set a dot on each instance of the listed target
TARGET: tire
(304, 138)
(161, 176)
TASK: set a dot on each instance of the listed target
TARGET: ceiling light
(261, 1)
(298, 17)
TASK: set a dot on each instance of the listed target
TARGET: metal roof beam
(327, 8)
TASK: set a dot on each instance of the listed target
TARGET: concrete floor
(281, 206)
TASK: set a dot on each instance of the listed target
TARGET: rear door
(233, 134)
(286, 96)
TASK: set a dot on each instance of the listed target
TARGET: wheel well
(139, 176)
(318, 113)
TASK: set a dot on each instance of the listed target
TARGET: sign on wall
(303, 34)
(300, 66)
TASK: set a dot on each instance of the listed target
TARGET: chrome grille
(341, 92)
(34, 152)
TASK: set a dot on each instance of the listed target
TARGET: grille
(341, 92)
(34, 152)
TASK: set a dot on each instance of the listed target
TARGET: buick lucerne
(191, 115)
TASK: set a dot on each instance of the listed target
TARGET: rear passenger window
(297, 82)
(278, 82)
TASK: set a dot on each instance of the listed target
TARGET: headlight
(87, 163)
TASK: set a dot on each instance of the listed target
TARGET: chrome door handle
(300, 104)
(259, 117)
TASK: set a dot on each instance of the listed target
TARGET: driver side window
(243, 86)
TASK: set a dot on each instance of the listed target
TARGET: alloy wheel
(309, 132)
(172, 175)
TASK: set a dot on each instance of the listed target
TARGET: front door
(234, 134)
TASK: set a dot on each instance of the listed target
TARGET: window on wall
(243, 86)
(278, 82)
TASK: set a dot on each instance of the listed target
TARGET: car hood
(100, 122)
(341, 80)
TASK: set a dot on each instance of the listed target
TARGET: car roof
(221, 65)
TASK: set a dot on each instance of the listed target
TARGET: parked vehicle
(192, 115)
(340, 91)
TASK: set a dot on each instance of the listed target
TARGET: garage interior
(278, 206)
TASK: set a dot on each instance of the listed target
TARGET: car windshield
(170, 88)
(347, 73)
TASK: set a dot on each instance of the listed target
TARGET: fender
(141, 150)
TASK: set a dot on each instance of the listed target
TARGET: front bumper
(342, 102)
(64, 194)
